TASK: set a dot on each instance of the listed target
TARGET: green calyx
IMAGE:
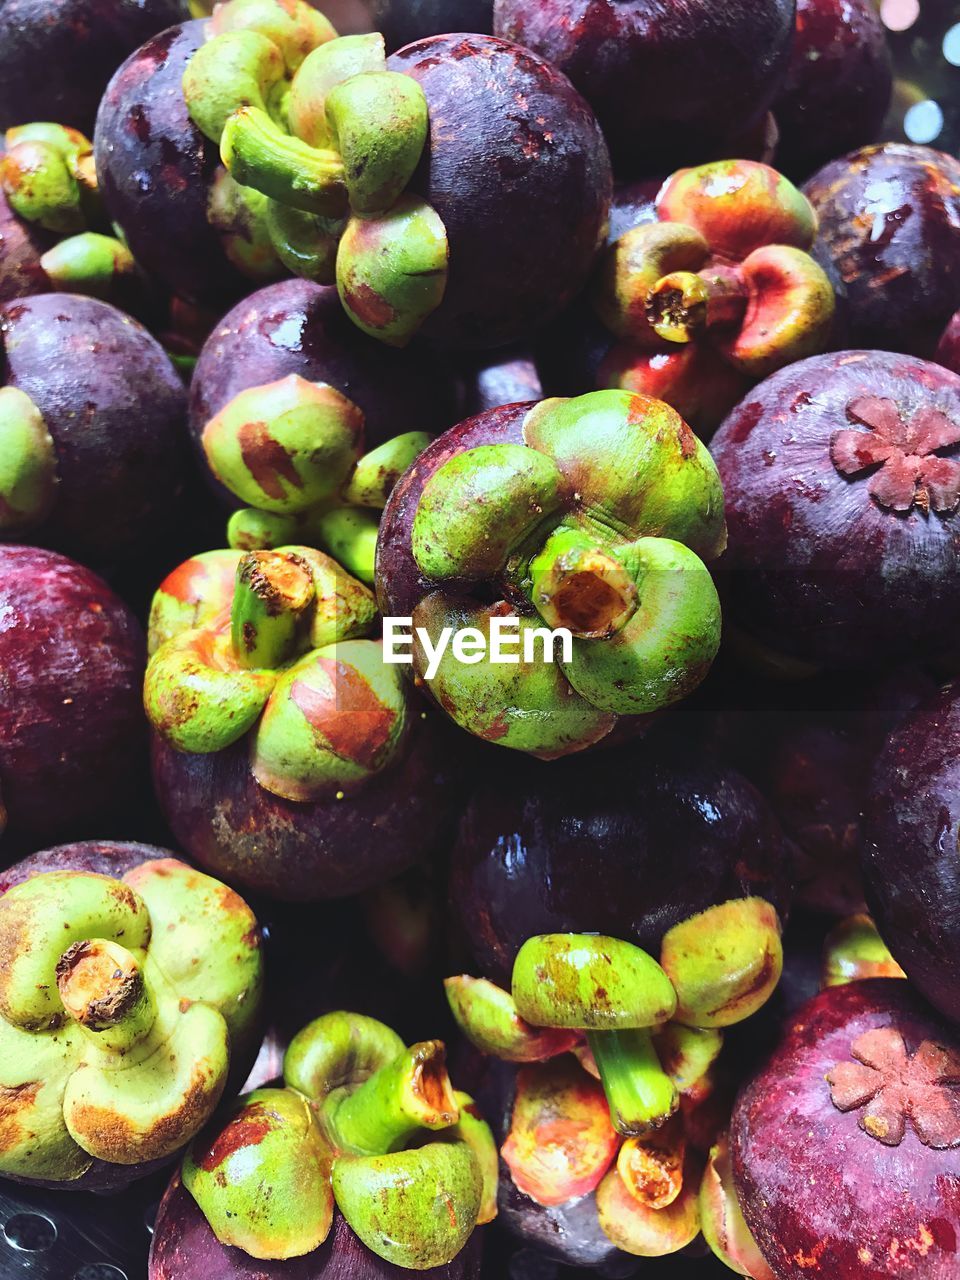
(616, 993)
(601, 520)
(350, 533)
(219, 659)
(724, 963)
(721, 1218)
(109, 1049)
(322, 128)
(46, 173)
(488, 1017)
(28, 463)
(88, 263)
(362, 1120)
(239, 215)
(853, 950)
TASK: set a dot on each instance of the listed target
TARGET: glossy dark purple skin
(21, 246)
(814, 1188)
(503, 377)
(814, 567)
(299, 327)
(154, 168)
(837, 87)
(889, 239)
(517, 168)
(403, 21)
(910, 860)
(116, 410)
(185, 1248)
(56, 58)
(626, 843)
(105, 858)
(948, 350)
(669, 79)
(400, 584)
(306, 852)
(71, 670)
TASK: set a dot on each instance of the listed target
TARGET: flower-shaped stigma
(892, 1087)
(910, 468)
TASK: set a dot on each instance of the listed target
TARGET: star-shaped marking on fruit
(892, 1086)
(909, 467)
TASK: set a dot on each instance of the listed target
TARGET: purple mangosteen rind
(844, 1144)
(912, 812)
(78, 53)
(678, 83)
(895, 268)
(841, 490)
(115, 924)
(109, 430)
(70, 714)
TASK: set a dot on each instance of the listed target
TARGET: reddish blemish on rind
(266, 459)
(369, 306)
(349, 715)
(248, 1130)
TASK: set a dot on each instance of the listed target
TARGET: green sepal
(392, 270)
(262, 1179)
(343, 608)
(251, 529)
(665, 648)
(336, 1052)
(473, 1130)
(590, 982)
(721, 1218)
(320, 72)
(197, 697)
(239, 215)
(416, 1209)
(40, 187)
(88, 263)
(36, 1142)
(637, 466)
(198, 592)
(379, 122)
(306, 243)
(488, 1017)
(527, 706)
(259, 154)
(294, 26)
(478, 507)
(350, 535)
(724, 962)
(28, 463)
(687, 1053)
(234, 70)
(285, 446)
(334, 719)
(379, 470)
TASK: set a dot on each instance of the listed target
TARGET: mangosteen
(56, 56)
(559, 872)
(299, 414)
(95, 447)
(715, 291)
(459, 188)
(71, 729)
(590, 515)
(841, 490)
(56, 234)
(838, 83)
(675, 80)
(129, 1001)
(913, 813)
(844, 1144)
(889, 238)
(365, 1163)
(287, 755)
(161, 181)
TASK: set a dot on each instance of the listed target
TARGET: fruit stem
(577, 585)
(684, 304)
(412, 1092)
(640, 1093)
(102, 988)
(259, 154)
(273, 592)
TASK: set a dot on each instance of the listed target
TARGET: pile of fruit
(479, 558)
